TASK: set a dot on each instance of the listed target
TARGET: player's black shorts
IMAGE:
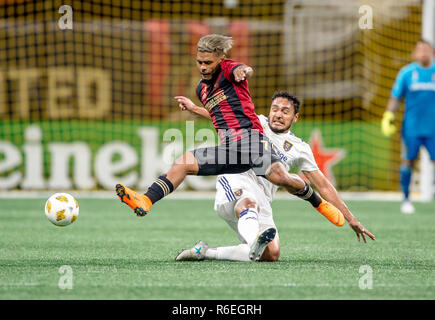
(252, 150)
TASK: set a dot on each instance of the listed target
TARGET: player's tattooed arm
(272, 169)
(242, 72)
(187, 104)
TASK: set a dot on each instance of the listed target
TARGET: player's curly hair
(290, 97)
(215, 43)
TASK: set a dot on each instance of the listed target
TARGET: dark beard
(279, 131)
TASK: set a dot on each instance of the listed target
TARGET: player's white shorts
(232, 188)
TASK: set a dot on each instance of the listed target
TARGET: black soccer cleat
(259, 245)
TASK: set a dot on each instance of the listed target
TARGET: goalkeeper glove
(388, 128)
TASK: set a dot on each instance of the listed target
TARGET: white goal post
(426, 177)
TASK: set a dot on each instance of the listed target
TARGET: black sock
(159, 189)
(307, 193)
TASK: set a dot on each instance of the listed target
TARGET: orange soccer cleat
(331, 213)
(140, 203)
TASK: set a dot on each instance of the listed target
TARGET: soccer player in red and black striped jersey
(223, 87)
(224, 93)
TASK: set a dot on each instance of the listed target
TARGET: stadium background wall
(117, 70)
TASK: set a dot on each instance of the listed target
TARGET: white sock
(233, 253)
(248, 226)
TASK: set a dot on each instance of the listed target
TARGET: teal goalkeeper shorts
(413, 145)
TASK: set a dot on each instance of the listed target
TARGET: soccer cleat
(331, 213)
(259, 245)
(407, 207)
(197, 253)
(138, 202)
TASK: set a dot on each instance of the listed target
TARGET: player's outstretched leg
(278, 175)
(263, 249)
(248, 225)
(138, 202)
(162, 186)
(232, 253)
(330, 212)
(197, 253)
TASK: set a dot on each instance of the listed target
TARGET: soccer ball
(62, 209)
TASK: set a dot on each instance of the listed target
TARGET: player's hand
(388, 128)
(242, 73)
(185, 103)
(361, 231)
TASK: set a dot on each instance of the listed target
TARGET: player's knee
(246, 203)
(274, 256)
(272, 251)
(250, 203)
(271, 255)
(187, 163)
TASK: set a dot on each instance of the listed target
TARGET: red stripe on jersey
(213, 119)
(243, 94)
(242, 91)
(228, 112)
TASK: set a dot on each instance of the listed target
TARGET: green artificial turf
(115, 255)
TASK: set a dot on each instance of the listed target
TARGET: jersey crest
(204, 92)
(238, 193)
(287, 145)
(212, 102)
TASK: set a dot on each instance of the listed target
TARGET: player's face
(207, 63)
(282, 115)
(423, 53)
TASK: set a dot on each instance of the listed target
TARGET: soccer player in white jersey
(244, 200)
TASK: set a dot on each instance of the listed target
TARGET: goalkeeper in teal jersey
(416, 84)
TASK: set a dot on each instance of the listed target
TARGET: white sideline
(195, 195)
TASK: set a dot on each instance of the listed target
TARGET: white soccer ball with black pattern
(62, 209)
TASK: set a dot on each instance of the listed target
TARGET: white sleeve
(263, 119)
(306, 160)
